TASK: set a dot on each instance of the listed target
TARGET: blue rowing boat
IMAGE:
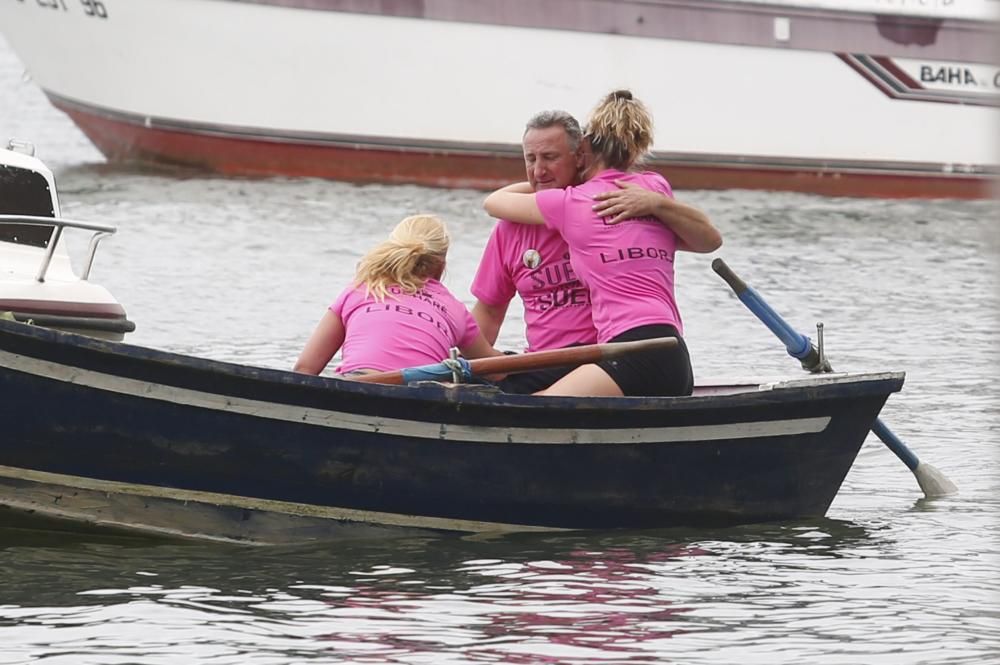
(106, 434)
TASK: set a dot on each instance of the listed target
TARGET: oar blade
(933, 482)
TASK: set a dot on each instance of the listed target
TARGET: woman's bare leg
(584, 381)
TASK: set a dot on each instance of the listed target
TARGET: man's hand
(695, 232)
(628, 202)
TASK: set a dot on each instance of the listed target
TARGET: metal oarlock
(456, 374)
(824, 366)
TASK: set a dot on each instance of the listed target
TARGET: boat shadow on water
(84, 561)
(21, 529)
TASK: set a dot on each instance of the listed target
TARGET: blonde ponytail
(620, 130)
(415, 252)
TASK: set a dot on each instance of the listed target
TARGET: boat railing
(100, 231)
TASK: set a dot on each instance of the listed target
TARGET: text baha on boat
(37, 280)
(839, 97)
(142, 439)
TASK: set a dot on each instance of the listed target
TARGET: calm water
(242, 269)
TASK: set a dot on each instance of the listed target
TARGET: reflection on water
(624, 596)
(771, 593)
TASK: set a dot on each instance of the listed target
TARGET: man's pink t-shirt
(629, 266)
(404, 330)
(533, 261)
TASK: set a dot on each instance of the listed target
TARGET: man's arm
(489, 318)
(692, 226)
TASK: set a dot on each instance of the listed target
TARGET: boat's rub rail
(824, 379)
(723, 384)
(115, 322)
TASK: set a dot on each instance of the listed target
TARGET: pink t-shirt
(533, 261)
(629, 266)
(403, 330)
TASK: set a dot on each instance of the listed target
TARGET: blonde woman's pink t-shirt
(533, 261)
(404, 330)
(629, 266)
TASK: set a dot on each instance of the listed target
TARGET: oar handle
(725, 272)
(526, 362)
(572, 355)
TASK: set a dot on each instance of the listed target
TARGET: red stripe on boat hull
(436, 166)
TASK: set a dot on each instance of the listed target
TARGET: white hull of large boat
(275, 87)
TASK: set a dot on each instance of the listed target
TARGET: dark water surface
(241, 270)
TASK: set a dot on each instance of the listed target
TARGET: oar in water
(513, 364)
(931, 481)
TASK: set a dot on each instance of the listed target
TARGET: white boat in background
(37, 281)
(851, 97)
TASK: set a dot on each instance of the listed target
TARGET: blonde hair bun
(620, 130)
(414, 252)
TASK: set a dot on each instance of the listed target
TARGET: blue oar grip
(797, 344)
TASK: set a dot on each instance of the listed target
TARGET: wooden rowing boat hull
(101, 432)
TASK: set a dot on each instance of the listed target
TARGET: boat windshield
(24, 192)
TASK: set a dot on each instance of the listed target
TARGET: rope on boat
(461, 371)
(456, 370)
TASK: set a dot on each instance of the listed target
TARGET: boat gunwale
(453, 396)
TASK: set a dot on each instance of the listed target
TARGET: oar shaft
(894, 444)
(798, 345)
(573, 355)
(526, 362)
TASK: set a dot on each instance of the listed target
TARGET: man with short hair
(533, 260)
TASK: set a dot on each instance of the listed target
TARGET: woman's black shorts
(657, 372)
(525, 383)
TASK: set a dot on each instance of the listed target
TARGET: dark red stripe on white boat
(248, 151)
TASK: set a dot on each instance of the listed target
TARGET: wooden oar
(523, 362)
(931, 481)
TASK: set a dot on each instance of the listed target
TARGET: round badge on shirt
(532, 258)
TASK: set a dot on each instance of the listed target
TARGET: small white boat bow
(37, 279)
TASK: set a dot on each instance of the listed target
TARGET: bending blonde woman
(396, 313)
